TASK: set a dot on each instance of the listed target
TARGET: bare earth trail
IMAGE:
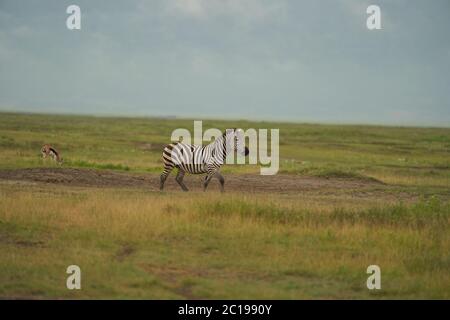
(248, 183)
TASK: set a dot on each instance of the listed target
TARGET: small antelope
(48, 150)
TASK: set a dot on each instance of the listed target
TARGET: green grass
(93, 165)
(133, 243)
(395, 155)
(430, 212)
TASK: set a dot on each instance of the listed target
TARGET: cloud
(272, 58)
(209, 9)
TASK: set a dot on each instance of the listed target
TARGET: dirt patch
(281, 183)
(76, 177)
(7, 238)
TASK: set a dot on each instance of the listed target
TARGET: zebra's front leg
(179, 179)
(207, 180)
(221, 180)
(212, 170)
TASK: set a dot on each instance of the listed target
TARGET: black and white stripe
(201, 159)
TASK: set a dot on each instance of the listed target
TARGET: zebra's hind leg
(163, 177)
(179, 179)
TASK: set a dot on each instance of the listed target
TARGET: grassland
(139, 243)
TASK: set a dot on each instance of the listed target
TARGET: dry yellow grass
(135, 244)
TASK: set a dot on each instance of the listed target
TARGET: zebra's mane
(222, 145)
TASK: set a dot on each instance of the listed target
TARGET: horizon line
(222, 118)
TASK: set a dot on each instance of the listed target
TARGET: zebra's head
(235, 139)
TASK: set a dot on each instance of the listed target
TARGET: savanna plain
(345, 197)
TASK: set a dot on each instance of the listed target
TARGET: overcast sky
(249, 59)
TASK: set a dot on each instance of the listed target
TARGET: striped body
(198, 159)
(186, 157)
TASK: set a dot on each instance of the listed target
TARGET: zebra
(48, 150)
(201, 159)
